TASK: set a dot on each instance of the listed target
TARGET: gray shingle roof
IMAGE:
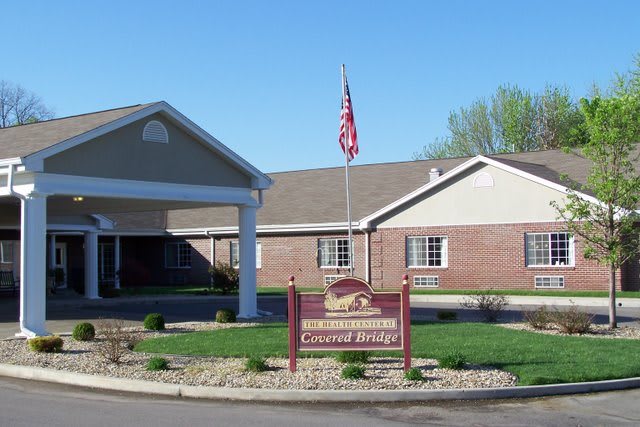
(318, 196)
(21, 141)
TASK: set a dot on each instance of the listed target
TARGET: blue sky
(264, 76)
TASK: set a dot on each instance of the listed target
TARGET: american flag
(347, 119)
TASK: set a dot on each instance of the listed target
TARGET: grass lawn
(534, 358)
(543, 293)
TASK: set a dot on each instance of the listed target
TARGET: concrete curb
(268, 395)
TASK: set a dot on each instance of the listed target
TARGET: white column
(91, 265)
(33, 275)
(247, 246)
(116, 261)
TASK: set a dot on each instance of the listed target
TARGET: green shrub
(84, 332)
(225, 315)
(256, 364)
(157, 364)
(154, 322)
(539, 318)
(572, 321)
(353, 356)
(224, 278)
(447, 315)
(352, 372)
(50, 344)
(452, 360)
(413, 374)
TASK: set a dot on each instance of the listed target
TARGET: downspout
(212, 252)
(367, 255)
(10, 184)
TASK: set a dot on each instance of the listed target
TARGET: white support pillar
(116, 262)
(33, 274)
(91, 265)
(247, 246)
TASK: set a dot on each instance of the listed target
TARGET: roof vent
(483, 180)
(434, 174)
(154, 131)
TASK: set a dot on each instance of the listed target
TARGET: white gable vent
(154, 131)
(482, 180)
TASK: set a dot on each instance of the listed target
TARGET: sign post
(291, 314)
(349, 315)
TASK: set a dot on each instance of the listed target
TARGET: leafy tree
(606, 226)
(513, 119)
(18, 106)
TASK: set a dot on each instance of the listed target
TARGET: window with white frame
(549, 249)
(427, 251)
(234, 252)
(426, 281)
(106, 262)
(177, 255)
(330, 278)
(6, 252)
(333, 252)
(549, 282)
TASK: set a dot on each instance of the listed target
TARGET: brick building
(464, 223)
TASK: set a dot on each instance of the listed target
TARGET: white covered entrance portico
(134, 159)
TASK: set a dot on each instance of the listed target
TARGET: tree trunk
(612, 297)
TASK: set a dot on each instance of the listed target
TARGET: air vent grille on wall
(483, 180)
(154, 131)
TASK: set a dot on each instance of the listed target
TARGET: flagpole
(346, 156)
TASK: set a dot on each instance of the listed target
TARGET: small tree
(607, 225)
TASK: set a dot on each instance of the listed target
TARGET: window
(235, 254)
(549, 249)
(177, 255)
(6, 252)
(330, 278)
(427, 251)
(333, 252)
(106, 262)
(549, 282)
(426, 281)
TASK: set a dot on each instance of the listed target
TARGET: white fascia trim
(365, 223)
(71, 227)
(10, 161)
(266, 229)
(141, 190)
(35, 162)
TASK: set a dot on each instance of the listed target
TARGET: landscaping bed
(382, 373)
(215, 354)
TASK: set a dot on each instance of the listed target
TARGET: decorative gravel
(312, 374)
(595, 331)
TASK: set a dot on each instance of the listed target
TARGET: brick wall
(481, 257)
(282, 256)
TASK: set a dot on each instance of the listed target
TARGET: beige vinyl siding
(511, 199)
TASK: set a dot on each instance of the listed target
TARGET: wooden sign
(348, 315)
